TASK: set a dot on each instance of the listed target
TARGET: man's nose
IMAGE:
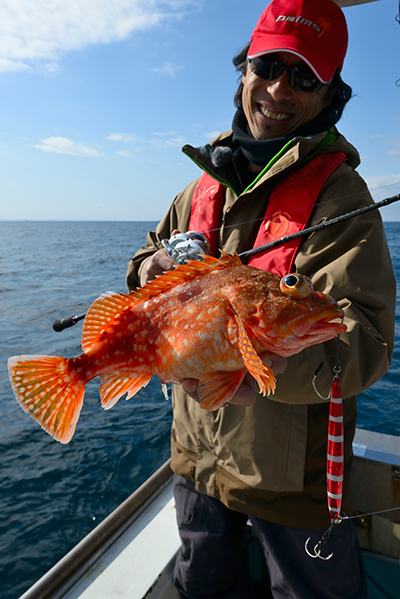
(280, 88)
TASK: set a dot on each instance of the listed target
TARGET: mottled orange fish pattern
(209, 320)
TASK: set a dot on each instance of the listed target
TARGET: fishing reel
(186, 246)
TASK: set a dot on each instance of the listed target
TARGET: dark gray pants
(212, 560)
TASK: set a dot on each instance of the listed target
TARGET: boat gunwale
(63, 575)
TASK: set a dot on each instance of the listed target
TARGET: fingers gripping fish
(207, 320)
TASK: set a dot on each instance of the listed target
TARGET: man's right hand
(156, 265)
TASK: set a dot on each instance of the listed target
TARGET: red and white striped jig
(334, 459)
(335, 453)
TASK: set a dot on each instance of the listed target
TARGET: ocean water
(52, 495)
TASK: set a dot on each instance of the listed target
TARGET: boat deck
(131, 568)
(131, 553)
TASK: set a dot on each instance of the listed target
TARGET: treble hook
(321, 542)
(317, 550)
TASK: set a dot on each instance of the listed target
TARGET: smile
(276, 116)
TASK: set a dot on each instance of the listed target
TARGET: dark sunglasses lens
(299, 77)
(267, 69)
(303, 79)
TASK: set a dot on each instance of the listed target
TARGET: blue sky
(98, 98)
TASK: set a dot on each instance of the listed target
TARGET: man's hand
(157, 264)
(248, 391)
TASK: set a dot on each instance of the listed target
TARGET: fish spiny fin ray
(216, 389)
(47, 388)
(116, 384)
(105, 311)
(261, 372)
(109, 307)
(186, 272)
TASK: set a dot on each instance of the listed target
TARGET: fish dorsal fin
(108, 308)
(187, 272)
(103, 313)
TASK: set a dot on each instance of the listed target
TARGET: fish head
(288, 315)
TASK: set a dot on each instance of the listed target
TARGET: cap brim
(323, 68)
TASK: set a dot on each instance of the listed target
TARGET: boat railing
(376, 495)
(55, 583)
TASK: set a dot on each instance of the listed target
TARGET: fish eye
(291, 281)
(296, 285)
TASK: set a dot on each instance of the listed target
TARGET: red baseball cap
(314, 30)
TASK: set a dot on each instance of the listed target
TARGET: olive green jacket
(269, 460)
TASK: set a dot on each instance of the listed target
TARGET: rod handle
(65, 323)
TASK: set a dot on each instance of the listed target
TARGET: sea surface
(52, 495)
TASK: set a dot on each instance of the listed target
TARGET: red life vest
(289, 209)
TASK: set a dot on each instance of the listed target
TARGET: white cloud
(382, 181)
(395, 151)
(212, 134)
(392, 144)
(63, 145)
(169, 68)
(175, 142)
(11, 65)
(37, 31)
(169, 139)
(126, 138)
(165, 134)
(384, 186)
(172, 142)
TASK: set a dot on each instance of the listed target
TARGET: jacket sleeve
(350, 261)
(177, 217)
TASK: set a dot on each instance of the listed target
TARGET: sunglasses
(299, 77)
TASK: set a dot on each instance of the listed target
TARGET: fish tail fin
(49, 390)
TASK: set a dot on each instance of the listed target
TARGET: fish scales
(206, 320)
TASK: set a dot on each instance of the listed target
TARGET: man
(284, 164)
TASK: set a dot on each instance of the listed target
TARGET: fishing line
(337, 519)
(293, 210)
(392, 509)
(326, 223)
(325, 537)
(335, 461)
(397, 18)
(60, 325)
(321, 225)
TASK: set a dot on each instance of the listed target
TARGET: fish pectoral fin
(49, 390)
(216, 389)
(258, 370)
(116, 384)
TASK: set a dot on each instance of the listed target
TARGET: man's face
(274, 108)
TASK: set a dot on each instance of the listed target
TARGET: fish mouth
(319, 322)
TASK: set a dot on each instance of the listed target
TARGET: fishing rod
(65, 323)
(327, 223)
(174, 250)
